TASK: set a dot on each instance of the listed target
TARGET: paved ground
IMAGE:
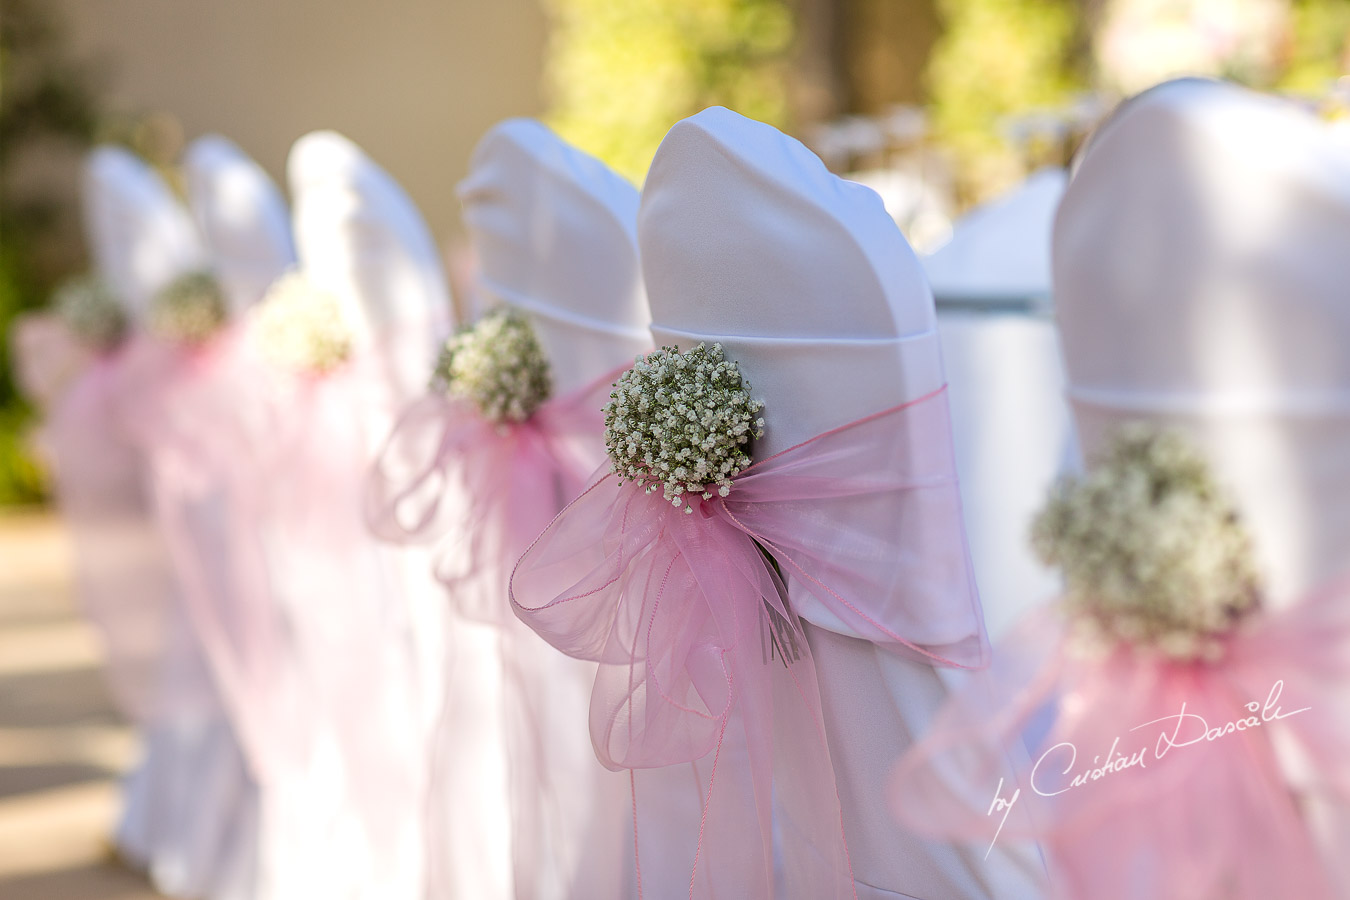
(61, 743)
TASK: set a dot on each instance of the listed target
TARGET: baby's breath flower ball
(190, 309)
(683, 421)
(1153, 553)
(498, 365)
(301, 327)
(90, 310)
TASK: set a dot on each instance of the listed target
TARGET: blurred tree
(996, 59)
(1319, 49)
(621, 72)
(45, 106)
(887, 45)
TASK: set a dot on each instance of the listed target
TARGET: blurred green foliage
(45, 103)
(621, 72)
(1320, 45)
(995, 59)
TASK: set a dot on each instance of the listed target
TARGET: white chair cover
(140, 236)
(555, 232)
(191, 808)
(360, 236)
(991, 283)
(243, 219)
(748, 240)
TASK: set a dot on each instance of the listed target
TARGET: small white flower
(1153, 553)
(682, 421)
(300, 327)
(91, 311)
(190, 309)
(498, 365)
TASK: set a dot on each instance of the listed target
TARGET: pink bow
(482, 490)
(686, 617)
(1150, 777)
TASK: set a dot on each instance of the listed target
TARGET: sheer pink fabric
(699, 657)
(188, 413)
(258, 474)
(482, 492)
(1149, 778)
(123, 577)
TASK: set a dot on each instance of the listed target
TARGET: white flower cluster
(1153, 553)
(302, 328)
(498, 365)
(190, 309)
(91, 311)
(682, 421)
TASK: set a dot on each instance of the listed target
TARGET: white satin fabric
(555, 232)
(1200, 275)
(1010, 422)
(190, 814)
(748, 240)
(360, 237)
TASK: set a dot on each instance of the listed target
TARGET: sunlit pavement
(61, 742)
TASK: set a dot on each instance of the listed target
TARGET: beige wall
(415, 82)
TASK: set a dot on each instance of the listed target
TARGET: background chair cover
(140, 237)
(190, 813)
(748, 240)
(361, 237)
(337, 746)
(999, 253)
(991, 284)
(1200, 284)
(242, 218)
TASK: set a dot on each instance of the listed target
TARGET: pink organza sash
(1151, 778)
(258, 476)
(340, 594)
(195, 413)
(685, 616)
(123, 574)
(482, 491)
